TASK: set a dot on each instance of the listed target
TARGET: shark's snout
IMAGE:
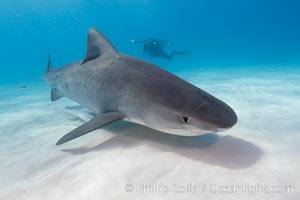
(180, 108)
(228, 120)
(221, 116)
(207, 113)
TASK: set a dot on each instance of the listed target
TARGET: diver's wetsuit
(154, 48)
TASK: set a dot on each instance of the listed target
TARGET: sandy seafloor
(257, 159)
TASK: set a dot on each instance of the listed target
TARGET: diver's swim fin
(99, 121)
(182, 53)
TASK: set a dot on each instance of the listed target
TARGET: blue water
(219, 33)
(246, 53)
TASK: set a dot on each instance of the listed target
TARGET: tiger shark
(118, 87)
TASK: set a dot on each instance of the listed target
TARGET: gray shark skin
(119, 87)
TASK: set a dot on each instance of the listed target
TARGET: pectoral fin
(55, 94)
(99, 121)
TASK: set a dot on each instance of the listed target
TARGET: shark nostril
(185, 119)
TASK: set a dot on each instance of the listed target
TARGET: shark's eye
(185, 119)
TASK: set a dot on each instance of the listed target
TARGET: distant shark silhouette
(119, 87)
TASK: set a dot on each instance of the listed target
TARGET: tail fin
(49, 66)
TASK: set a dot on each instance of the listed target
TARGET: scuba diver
(154, 48)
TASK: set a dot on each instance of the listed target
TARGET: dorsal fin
(49, 65)
(98, 46)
